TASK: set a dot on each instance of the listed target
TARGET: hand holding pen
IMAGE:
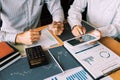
(78, 30)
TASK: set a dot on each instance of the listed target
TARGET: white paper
(77, 73)
(97, 59)
(107, 78)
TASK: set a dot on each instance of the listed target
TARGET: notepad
(5, 49)
(8, 55)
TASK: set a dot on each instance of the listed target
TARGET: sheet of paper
(107, 78)
(77, 73)
(47, 40)
(97, 58)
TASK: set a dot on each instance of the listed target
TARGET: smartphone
(85, 39)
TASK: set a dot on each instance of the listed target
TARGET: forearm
(58, 16)
(112, 30)
(54, 6)
(74, 13)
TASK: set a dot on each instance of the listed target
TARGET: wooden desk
(114, 46)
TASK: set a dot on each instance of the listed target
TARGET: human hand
(96, 33)
(28, 37)
(56, 28)
(78, 31)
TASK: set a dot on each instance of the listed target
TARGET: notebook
(8, 55)
(5, 49)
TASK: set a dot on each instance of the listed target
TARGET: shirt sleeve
(54, 6)
(8, 37)
(4, 36)
(113, 29)
(0, 10)
(74, 13)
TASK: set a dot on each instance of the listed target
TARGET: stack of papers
(8, 55)
(97, 59)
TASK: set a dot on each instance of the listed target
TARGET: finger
(54, 26)
(83, 30)
(96, 33)
(76, 33)
(35, 34)
(35, 38)
(60, 32)
(80, 30)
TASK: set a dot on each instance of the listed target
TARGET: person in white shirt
(103, 14)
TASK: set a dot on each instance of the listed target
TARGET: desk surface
(107, 41)
(111, 44)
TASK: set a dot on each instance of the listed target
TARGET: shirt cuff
(59, 16)
(58, 19)
(11, 37)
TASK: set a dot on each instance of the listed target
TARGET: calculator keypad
(36, 56)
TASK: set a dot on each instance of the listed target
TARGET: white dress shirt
(103, 14)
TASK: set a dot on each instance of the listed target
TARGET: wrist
(99, 32)
(18, 38)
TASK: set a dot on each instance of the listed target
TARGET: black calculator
(36, 56)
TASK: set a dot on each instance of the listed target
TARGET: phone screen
(80, 40)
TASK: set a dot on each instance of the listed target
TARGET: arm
(6, 36)
(113, 29)
(75, 17)
(75, 12)
(56, 11)
(9, 35)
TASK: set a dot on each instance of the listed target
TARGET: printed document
(77, 73)
(96, 59)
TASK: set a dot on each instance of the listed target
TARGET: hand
(56, 28)
(78, 31)
(96, 33)
(28, 37)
